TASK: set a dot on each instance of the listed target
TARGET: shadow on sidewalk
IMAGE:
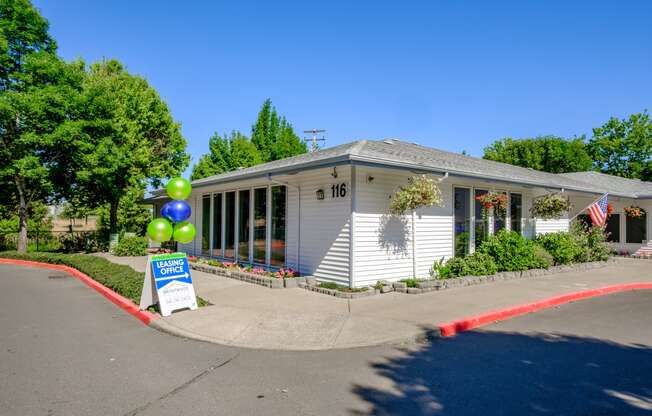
(502, 373)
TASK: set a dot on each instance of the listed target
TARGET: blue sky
(455, 75)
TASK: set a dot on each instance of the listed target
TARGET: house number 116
(339, 190)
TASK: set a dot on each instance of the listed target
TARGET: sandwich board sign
(168, 282)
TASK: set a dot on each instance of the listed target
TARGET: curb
(123, 303)
(449, 329)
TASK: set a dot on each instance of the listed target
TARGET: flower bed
(283, 278)
(339, 291)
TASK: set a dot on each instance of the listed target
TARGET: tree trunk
(113, 217)
(22, 217)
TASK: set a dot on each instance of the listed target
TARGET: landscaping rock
(400, 285)
(290, 282)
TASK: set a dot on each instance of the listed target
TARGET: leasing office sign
(168, 281)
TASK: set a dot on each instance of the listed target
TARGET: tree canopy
(272, 138)
(546, 153)
(623, 147)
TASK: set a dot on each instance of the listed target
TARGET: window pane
(205, 224)
(217, 225)
(462, 221)
(229, 225)
(481, 225)
(243, 226)
(260, 224)
(613, 228)
(635, 229)
(516, 211)
(500, 218)
(279, 206)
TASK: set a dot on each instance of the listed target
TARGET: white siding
(551, 226)
(383, 243)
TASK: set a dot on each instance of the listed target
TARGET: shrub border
(442, 284)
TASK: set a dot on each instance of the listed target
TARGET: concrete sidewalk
(252, 316)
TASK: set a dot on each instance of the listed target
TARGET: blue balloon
(165, 211)
(178, 211)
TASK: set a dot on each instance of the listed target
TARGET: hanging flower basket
(634, 212)
(495, 200)
(550, 206)
(610, 209)
(420, 191)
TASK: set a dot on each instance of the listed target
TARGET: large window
(516, 211)
(613, 228)
(635, 230)
(217, 225)
(205, 224)
(244, 225)
(462, 220)
(260, 224)
(481, 224)
(229, 225)
(279, 205)
(500, 218)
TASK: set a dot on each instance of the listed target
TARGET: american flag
(598, 211)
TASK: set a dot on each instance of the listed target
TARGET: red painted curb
(125, 304)
(451, 328)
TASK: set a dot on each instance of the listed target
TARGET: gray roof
(396, 153)
(614, 184)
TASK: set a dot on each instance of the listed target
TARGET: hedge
(120, 278)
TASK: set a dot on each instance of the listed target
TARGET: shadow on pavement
(502, 373)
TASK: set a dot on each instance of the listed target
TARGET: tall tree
(274, 136)
(546, 153)
(228, 152)
(37, 95)
(124, 138)
(623, 147)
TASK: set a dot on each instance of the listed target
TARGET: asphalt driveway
(65, 350)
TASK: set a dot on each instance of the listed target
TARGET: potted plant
(634, 212)
(492, 200)
(550, 206)
(420, 191)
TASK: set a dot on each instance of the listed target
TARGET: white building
(326, 213)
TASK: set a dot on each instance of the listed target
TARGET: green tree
(623, 147)
(274, 136)
(227, 152)
(124, 138)
(546, 153)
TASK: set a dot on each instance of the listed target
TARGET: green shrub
(131, 246)
(512, 252)
(82, 243)
(563, 246)
(476, 264)
(122, 279)
(593, 242)
(342, 288)
(411, 282)
(546, 260)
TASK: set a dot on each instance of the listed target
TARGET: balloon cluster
(174, 212)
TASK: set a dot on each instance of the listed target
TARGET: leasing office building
(326, 213)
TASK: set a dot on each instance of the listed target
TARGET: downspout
(298, 188)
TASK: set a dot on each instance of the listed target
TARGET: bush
(564, 247)
(544, 257)
(82, 242)
(122, 279)
(512, 252)
(593, 242)
(477, 264)
(412, 282)
(342, 288)
(131, 246)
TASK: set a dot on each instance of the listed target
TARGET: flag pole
(583, 209)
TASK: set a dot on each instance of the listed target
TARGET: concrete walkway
(247, 315)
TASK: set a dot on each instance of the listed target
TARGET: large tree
(274, 136)
(125, 138)
(226, 153)
(38, 93)
(623, 147)
(546, 153)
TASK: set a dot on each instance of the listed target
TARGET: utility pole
(314, 140)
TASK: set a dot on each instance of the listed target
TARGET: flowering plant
(286, 273)
(610, 209)
(495, 200)
(550, 206)
(634, 212)
(420, 191)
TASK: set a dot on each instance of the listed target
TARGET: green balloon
(184, 232)
(178, 188)
(159, 229)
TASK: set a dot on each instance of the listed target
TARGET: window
(217, 225)
(516, 211)
(279, 205)
(244, 225)
(260, 224)
(635, 230)
(613, 228)
(205, 224)
(500, 218)
(481, 224)
(229, 225)
(462, 220)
